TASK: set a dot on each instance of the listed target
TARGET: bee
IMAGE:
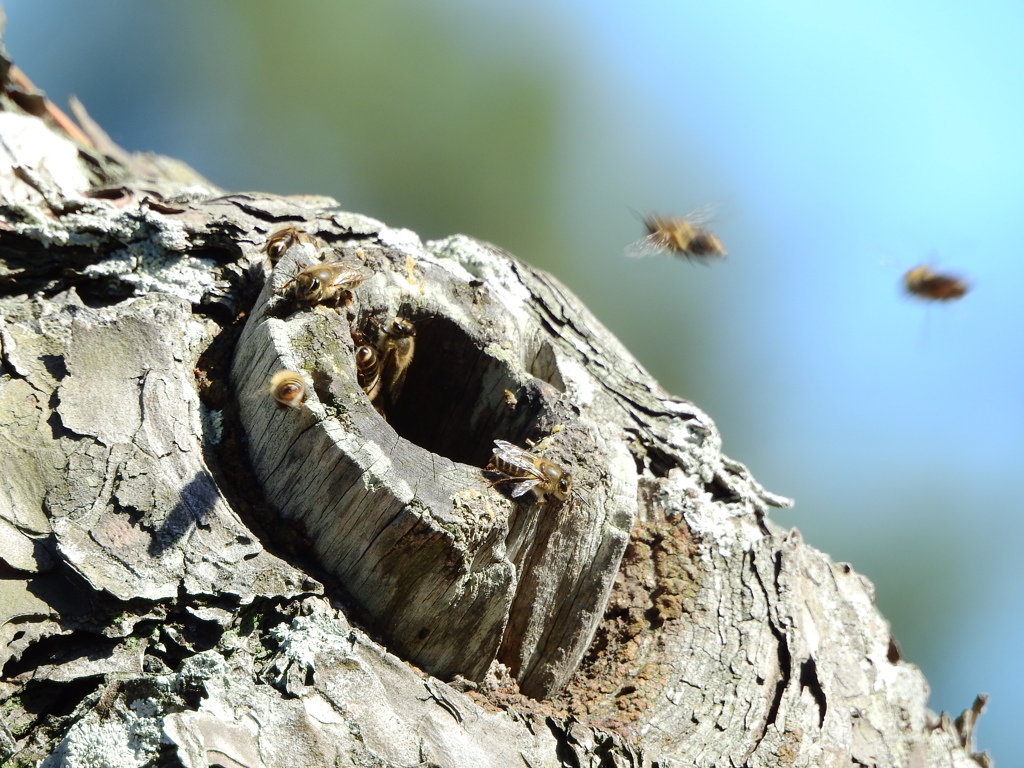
(925, 283)
(279, 242)
(681, 235)
(368, 370)
(289, 389)
(331, 282)
(530, 472)
(511, 401)
(397, 344)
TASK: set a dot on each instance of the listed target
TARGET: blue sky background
(841, 143)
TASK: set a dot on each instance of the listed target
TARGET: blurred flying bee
(397, 344)
(368, 370)
(925, 283)
(329, 283)
(680, 235)
(279, 242)
(529, 472)
(289, 389)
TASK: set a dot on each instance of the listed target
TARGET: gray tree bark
(195, 577)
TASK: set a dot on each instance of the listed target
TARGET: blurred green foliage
(427, 133)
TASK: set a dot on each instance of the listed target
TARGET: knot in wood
(394, 494)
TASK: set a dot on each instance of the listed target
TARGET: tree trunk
(195, 576)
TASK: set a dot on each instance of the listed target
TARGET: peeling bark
(193, 577)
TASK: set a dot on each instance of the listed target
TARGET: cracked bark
(195, 577)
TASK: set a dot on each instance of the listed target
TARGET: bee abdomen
(368, 370)
(502, 466)
(288, 389)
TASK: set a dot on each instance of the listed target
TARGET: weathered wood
(401, 510)
(142, 621)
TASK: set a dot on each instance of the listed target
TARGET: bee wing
(645, 246)
(518, 457)
(349, 273)
(702, 215)
(394, 365)
(398, 382)
(523, 485)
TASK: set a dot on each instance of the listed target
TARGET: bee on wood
(397, 344)
(925, 283)
(331, 282)
(279, 242)
(289, 389)
(680, 235)
(529, 472)
(368, 371)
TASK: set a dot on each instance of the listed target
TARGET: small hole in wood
(454, 400)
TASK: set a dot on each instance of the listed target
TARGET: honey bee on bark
(925, 283)
(529, 472)
(397, 345)
(683, 236)
(279, 242)
(288, 389)
(368, 371)
(328, 283)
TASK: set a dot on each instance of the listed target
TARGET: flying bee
(925, 283)
(397, 344)
(680, 235)
(331, 282)
(368, 370)
(289, 389)
(529, 472)
(279, 242)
